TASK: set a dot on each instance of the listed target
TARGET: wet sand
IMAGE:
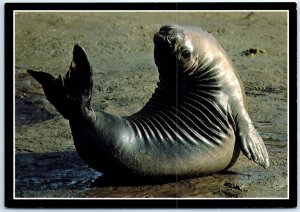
(120, 49)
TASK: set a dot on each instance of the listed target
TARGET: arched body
(195, 123)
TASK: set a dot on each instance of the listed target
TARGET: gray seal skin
(194, 124)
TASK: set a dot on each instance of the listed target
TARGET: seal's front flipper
(71, 94)
(253, 146)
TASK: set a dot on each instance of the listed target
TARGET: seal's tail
(71, 94)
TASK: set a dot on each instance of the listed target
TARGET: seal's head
(177, 50)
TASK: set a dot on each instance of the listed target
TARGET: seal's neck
(206, 75)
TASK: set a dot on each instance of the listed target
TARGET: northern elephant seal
(195, 123)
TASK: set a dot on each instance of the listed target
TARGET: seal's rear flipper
(78, 81)
(54, 90)
(71, 94)
(43, 78)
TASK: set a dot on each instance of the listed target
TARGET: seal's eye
(185, 54)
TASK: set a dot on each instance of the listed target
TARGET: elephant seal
(194, 124)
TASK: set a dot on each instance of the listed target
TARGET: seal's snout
(168, 35)
(168, 45)
(165, 30)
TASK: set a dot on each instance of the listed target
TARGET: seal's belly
(189, 139)
(177, 158)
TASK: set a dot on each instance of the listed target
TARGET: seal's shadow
(132, 181)
(129, 181)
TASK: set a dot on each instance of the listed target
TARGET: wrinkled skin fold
(195, 123)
